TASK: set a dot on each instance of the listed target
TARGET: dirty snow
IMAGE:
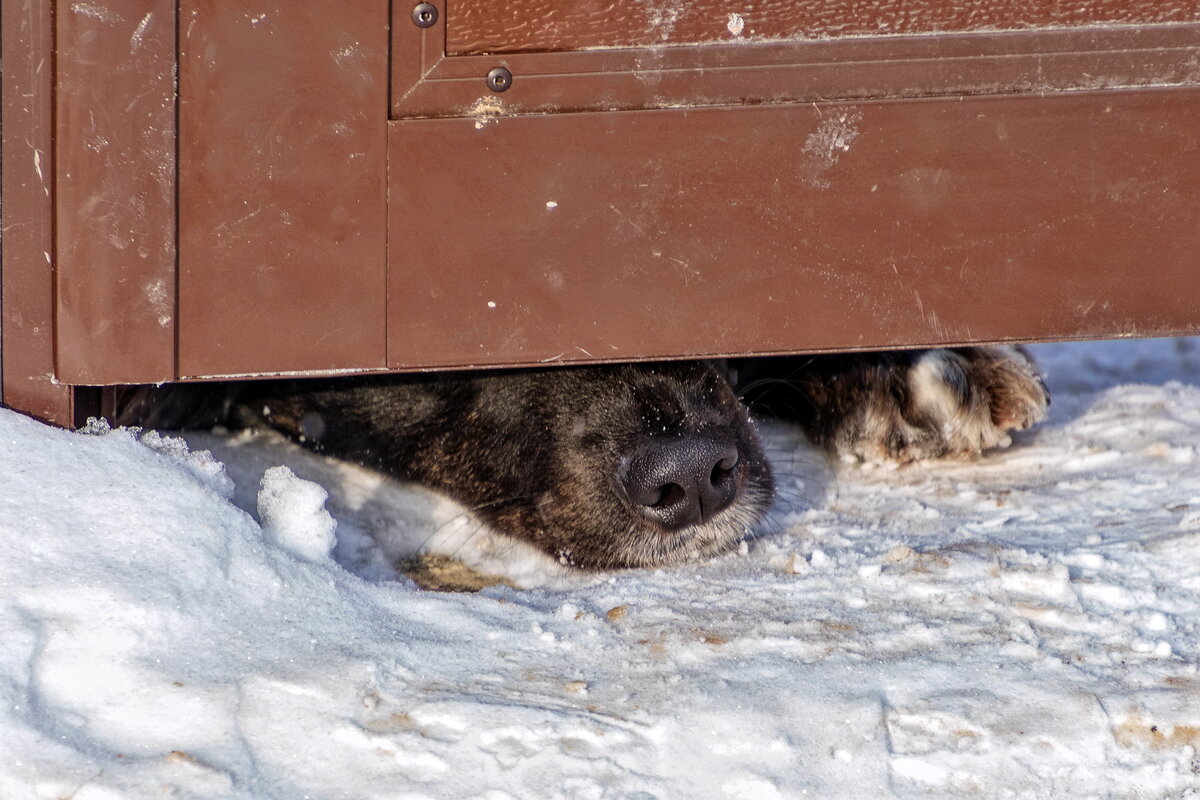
(736, 25)
(1025, 626)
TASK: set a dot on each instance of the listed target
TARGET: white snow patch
(735, 25)
(293, 515)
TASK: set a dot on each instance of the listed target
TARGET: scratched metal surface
(28, 221)
(115, 191)
(282, 221)
(623, 235)
(490, 26)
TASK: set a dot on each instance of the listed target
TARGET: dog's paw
(950, 403)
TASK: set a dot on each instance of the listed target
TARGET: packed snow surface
(194, 625)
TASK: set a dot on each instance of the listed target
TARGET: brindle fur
(537, 454)
(901, 406)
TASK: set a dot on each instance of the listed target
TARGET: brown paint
(28, 221)
(486, 26)
(115, 192)
(282, 236)
(617, 236)
(428, 84)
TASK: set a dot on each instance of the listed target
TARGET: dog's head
(618, 466)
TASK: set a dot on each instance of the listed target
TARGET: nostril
(722, 471)
(682, 481)
(669, 495)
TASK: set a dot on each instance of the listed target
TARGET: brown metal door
(787, 228)
(799, 176)
(204, 189)
(282, 170)
(193, 190)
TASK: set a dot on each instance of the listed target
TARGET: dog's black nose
(682, 481)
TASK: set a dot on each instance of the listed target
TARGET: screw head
(424, 15)
(499, 79)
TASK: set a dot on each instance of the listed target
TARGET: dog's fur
(543, 455)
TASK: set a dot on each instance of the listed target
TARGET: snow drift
(1024, 626)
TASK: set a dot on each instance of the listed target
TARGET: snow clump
(293, 515)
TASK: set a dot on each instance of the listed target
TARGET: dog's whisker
(467, 514)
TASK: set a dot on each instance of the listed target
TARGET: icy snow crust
(1025, 626)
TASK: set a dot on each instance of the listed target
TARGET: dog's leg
(901, 405)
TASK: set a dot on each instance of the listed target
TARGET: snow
(293, 515)
(1024, 626)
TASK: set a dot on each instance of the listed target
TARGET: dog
(627, 465)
